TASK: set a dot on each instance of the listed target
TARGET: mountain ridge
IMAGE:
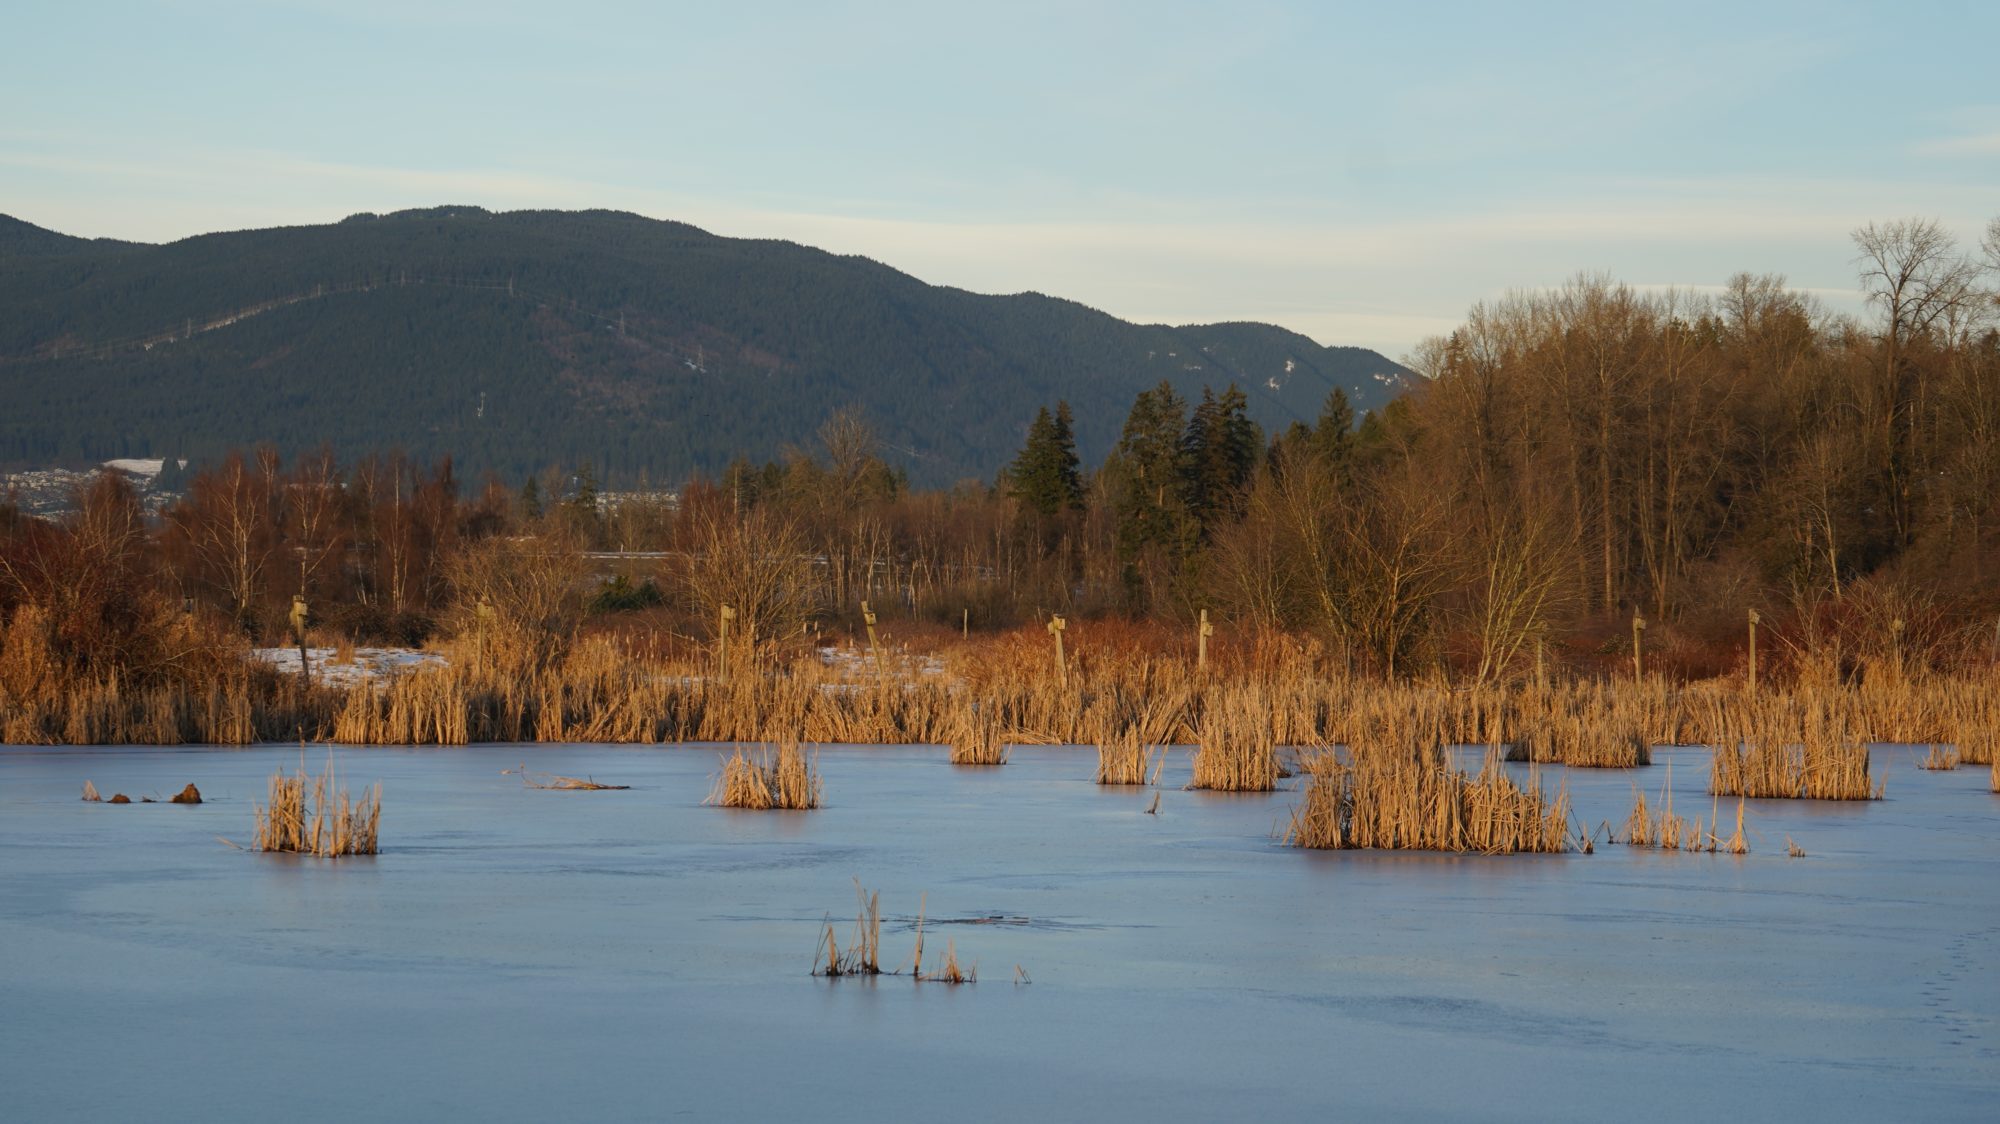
(514, 340)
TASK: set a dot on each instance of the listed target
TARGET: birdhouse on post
(723, 616)
(1056, 626)
(298, 617)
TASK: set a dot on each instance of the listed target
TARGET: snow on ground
(855, 661)
(369, 665)
(137, 466)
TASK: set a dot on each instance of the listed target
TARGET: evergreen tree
(1044, 474)
(581, 506)
(1219, 454)
(1072, 468)
(531, 501)
(1333, 437)
(1147, 482)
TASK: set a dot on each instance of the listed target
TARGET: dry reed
(1669, 832)
(785, 779)
(948, 969)
(1236, 752)
(1940, 759)
(978, 742)
(864, 955)
(325, 823)
(1396, 801)
(1791, 747)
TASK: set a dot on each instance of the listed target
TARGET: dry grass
(1237, 752)
(978, 742)
(1409, 801)
(949, 970)
(1596, 726)
(1940, 759)
(1668, 832)
(1791, 747)
(90, 793)
(786, 778)
(1123, 759)
(310, 816)
(864, 954)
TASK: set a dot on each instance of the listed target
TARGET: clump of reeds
(949, 970)
(786, 778)
(1669, 832)
(1940, 758)
(1793, 850)
(1123, 759)
(1394, 801)
(864, 956)
(308, 815)
(1236, 752)
(90, 793)
(1604, 727)
(977, 741)
(1792, 748)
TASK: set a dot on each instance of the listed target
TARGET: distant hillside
(516, 341)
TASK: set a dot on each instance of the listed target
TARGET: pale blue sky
(1361, 173)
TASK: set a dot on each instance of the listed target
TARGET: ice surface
(517, 954)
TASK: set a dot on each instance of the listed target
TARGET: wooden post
(483, 616)
(1056, 626)
(1638, 631)
(965, 624)
(1201, 633)
(723, 617)
(299, 615)
(874, 653)
(1754, 618)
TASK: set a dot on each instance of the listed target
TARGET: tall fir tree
(1044, 475)
(1333, 437)
(1219, 455)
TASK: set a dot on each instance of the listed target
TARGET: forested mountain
(517, 341)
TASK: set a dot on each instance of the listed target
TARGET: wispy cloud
(1974, 144)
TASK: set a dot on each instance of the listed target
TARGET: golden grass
(1236, 751)
(310, 816)
(787, 778)
(1940, 759)
(978, 742)
(1123, 759)
(1393, 800)
(1792, 747)
(1596, 726)
(1668, 832)
(864, 954)
(949, 970)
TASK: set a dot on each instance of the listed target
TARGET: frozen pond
(534, 955)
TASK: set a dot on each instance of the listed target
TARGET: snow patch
(370, 665)
(142, 467)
